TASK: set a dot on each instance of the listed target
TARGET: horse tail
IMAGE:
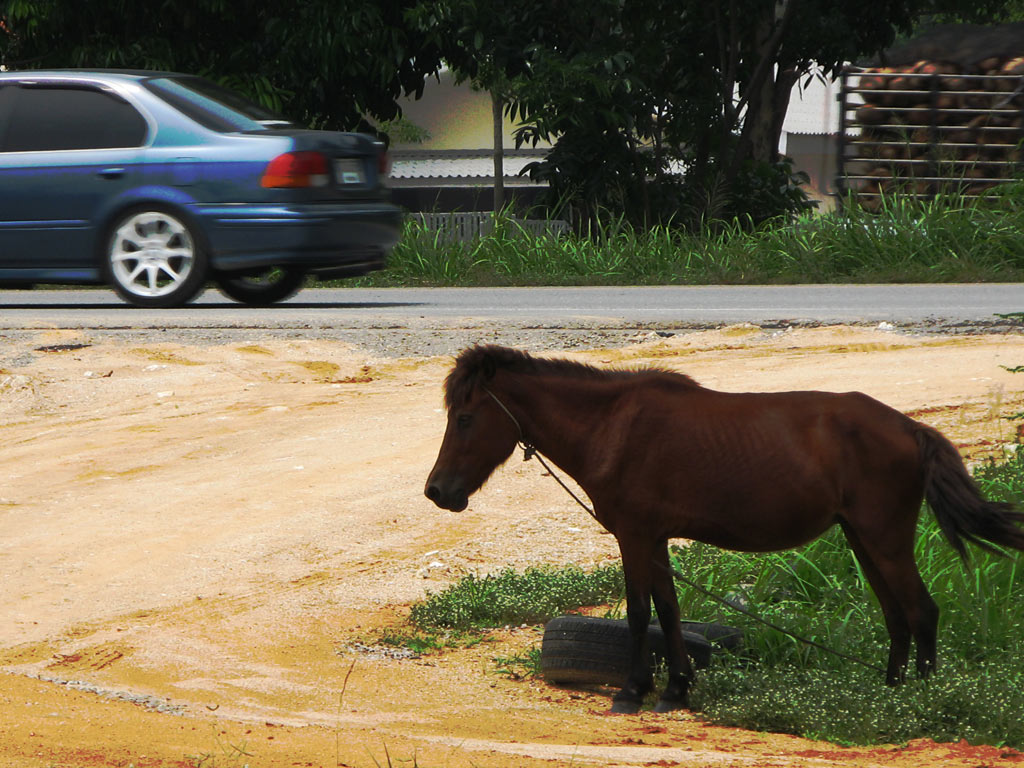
(956, 501)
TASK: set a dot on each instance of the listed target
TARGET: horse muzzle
(453, 499)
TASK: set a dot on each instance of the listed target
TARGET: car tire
(153, 257)
(261, 289)
(585, 650)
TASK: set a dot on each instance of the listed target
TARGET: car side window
(45, 118)
(7, 93)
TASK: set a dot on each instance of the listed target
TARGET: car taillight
(383, 163)
(296, 169)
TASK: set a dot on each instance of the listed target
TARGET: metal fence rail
(928, 132)
(465, 227)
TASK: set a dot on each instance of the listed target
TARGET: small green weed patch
(519, 666)
(430, 640)
(459, 616)
(512, 598)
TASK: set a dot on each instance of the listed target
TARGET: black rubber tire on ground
(594, 651)
(261, 289)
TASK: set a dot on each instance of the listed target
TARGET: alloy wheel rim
(152, 254)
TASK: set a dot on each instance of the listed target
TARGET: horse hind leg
(895, 619)
(924, 623)
(926, 636)
(921, 611)
(908, 609)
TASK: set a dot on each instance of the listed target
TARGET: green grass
(944, 240)
(520, 666)
(979, 702)
(820, 592)
(461, 615)
(509, 598)
(224, 755)
(429, 640)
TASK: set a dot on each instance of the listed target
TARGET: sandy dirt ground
(200, 543)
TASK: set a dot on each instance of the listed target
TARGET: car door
(66, 150)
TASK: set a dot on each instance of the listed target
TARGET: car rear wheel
(260, 289)
(154, 259)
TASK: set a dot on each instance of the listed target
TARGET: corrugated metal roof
(461, 166)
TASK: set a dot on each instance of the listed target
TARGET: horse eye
(463, 420)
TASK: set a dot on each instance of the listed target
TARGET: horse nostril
(433, 493)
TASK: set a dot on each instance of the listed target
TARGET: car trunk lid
(329, 165)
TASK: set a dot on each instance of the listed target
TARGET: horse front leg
(636, 567)
(666, 604)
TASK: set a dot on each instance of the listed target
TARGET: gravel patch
(430, 338)
(145, 701)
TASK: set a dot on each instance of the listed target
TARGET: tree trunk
(783, 90)
(756, 139)
(762, 123)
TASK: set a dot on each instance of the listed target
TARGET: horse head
(481, 434)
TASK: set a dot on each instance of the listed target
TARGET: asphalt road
(938, 306)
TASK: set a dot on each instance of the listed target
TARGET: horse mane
(481, 362)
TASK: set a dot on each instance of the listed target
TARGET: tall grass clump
(614, 254)
(946, 239)
(820, 592)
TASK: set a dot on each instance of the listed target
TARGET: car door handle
(112, 173)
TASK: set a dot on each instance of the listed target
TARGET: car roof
(87, 74)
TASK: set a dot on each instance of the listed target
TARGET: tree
(328, 64)
(630, 90)
(566, 69)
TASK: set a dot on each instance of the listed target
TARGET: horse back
(715, 465)
(698, 420)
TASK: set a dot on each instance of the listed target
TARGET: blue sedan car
(157, 183)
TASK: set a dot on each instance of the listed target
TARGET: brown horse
(662, 457)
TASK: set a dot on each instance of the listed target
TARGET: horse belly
(756, 503)
(749, 528)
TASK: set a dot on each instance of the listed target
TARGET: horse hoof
(625, 707)
(670, 705)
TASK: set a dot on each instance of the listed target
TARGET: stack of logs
(931, 128)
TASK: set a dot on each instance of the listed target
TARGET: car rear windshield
(214, 106)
